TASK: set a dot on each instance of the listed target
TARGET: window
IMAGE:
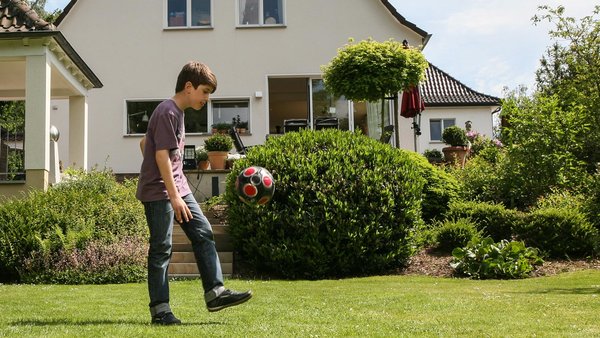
(189, 13)
(229, 112)
(437, 126)
(260, 12)
(139, 112)
(12, 136)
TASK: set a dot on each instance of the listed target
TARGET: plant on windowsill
(217, 147)
(457, 140)
(202, 158)
(221, 128)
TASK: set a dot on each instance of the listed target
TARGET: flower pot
(455, 155)
(204, 165)
(217, 159)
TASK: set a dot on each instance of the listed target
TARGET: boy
(164, 191)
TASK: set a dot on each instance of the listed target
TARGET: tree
(38, 7)
(371, 70)
(570, 70)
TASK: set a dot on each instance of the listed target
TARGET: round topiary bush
(455, 136)
(458, 233)
(344, 205)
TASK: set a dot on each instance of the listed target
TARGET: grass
(384, 306)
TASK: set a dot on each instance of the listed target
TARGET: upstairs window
(189, 13)
(260, 12)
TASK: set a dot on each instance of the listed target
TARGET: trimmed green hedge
(492, 219)
(344, 205)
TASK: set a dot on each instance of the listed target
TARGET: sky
(485, 44)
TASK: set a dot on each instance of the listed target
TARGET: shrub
(488, 260)
(433, 155)
(455, 136)
(492, 219)
(478, 180)
(218, 142)
(559, 232)
(592, 203)
(86, 207)
(344, 204)
(99, 262)
(439, 191)
(456, 233)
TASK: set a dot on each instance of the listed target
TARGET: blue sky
(485, 44)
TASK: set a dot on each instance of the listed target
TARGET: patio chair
(237, 141)
(327, 122)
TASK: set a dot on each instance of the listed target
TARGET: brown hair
(198, 74)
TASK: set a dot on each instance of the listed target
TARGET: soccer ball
(255, 185)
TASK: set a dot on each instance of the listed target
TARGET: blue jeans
(160, 217)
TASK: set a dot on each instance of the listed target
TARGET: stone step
(188, 257)
(180, 237)
(191, 269)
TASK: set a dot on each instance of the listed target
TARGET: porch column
(78, 132)
(37, 121)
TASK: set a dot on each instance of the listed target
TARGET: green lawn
(558, 306)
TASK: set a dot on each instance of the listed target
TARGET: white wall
(124, 43)
(480, 117)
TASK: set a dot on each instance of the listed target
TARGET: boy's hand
(181, 210)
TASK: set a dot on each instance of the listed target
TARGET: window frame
(217, 100)
(126, 119)
(444, 125)
(188, 17)
(261, 17)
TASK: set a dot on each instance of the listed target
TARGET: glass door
(326, 110)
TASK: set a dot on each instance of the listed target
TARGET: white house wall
(480, 117)
(136, 58)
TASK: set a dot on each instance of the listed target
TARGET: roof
(441, 89)
(426, 36)
(19, 21)
(17, 16)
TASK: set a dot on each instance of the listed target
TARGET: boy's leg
(199, 231)
(159, 215)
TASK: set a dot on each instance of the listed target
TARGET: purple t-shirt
(166, 130)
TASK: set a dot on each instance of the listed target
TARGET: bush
(455, 136)
(456, 233)
(218, 142)
(439, 191)
(592, 203)
(488, 260)
(559, 232)
(344, 204)
(99, 262)
(478, 180)
(87, 207)
(492, 219)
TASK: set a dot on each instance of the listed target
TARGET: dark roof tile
(17, 16)
(441, 89)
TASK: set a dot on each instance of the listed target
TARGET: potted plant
(221, 128)
(433, 156)
(457, 140)
(217, 147)
(202, 158)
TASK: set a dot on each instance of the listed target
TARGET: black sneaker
(165, 318)
(228, 298)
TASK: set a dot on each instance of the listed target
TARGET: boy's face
(198, 96)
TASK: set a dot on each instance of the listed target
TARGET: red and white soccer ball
(255, 185)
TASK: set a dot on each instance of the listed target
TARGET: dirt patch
(432, 263)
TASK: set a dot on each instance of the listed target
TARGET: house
(38, 64)
(266, 54)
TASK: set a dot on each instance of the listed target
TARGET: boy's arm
(182, 212)
(143, 145)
